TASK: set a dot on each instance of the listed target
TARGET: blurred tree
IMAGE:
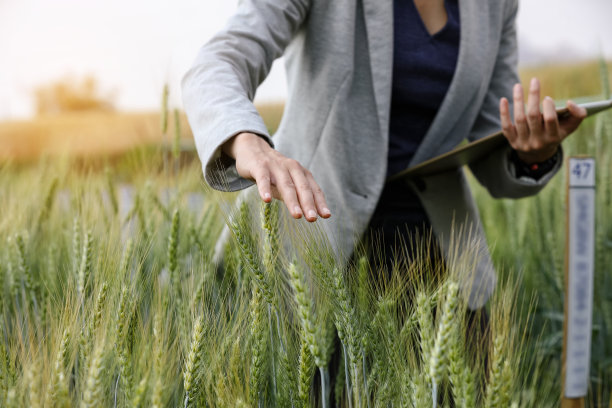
(72, 95)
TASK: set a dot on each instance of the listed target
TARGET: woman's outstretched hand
(277, 176)
(536, 135)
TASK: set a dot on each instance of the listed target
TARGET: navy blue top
(423, 67)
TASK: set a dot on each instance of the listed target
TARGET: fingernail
(326, 211)
(534, 82)
(297, 210)
(267, 196)
(312, 214)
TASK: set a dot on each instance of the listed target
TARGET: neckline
(422, 23)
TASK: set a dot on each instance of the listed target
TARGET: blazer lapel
(466, 81)
(378, 16)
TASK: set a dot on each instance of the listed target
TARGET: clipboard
(475, 151)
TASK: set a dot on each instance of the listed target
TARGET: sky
(133, 47)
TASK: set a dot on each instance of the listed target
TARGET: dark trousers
(398, 228)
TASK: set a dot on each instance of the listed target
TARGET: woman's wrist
(241, 141)
(534, 170)
(541, 156)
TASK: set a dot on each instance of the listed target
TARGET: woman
(354, 78)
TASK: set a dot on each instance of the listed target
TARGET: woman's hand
(277, 176)
(536, 135)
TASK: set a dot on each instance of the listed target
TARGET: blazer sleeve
(219, 88)
(497, 172)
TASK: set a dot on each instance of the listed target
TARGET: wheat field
(112, 292)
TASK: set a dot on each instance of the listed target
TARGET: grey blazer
(339, 67)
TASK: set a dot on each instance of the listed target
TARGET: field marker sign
(580, 264)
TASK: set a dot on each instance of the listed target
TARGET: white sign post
(580, 255)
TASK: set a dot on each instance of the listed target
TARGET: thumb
(577, 115)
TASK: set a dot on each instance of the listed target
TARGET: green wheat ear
(306, 314)
(306, 371)
(258, 359)
(47, 203)
(193, 362)
(140, 392)
(58, 393)
(99, 308)
(438, 362)
(241, 227)
(86, 264)
(94, 388)
(173, 245)
(426, 327)
(495, 384)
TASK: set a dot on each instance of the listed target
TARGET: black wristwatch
(534, 170)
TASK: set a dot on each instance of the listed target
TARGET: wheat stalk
(439, 355)
(258, 330)
(57, 391)
(192, 364)
(47, 203)
(241, 229)
(99, 308)
(4, 364)
(306, 315)
(505, 394)
(426, 327)
(123, 321)
(173, 248)
(495, 382)
(93, 395)
(457, 367)
(26, 272)
(126, 258)
(11, 398)
(140, 392)
(33, 384)
(306, 369)
(158, 364)
(347, 330)
(85, 267)
(76, 245)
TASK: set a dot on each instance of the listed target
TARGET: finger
(320, 201)
(551, 121)
(534, 117)
(506, 121)
(576, 110)
(286, 188)
(522, 128)
(262, 179)
(577, 114)
(304, 192)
